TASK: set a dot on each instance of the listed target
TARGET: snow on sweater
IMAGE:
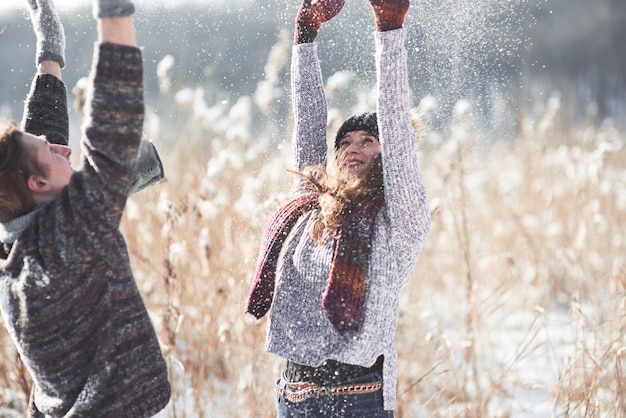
(67, 292)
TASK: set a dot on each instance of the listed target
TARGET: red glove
(389, 14)
(311, 15)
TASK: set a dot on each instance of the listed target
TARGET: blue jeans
(363, 405)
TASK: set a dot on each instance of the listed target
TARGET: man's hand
(112, 8)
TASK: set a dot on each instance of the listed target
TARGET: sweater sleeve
(46, 113)
(45, 109)
(405, 197)
(67, 292)
(113, 126)
(309, 108)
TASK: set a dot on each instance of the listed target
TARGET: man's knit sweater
(298, 328)
(45, 113)
(67, 292)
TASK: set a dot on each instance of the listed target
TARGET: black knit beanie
(367, 122)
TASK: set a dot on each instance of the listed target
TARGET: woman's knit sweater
(67, 292)
(298, 328)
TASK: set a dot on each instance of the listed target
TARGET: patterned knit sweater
(67, 292)
(45, 113)
(298, 328)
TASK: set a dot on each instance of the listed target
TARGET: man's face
(357, 151)
(53, 159)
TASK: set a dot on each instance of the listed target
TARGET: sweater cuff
(45, 110)
(47, 84)
(390, 38)
(304, 50)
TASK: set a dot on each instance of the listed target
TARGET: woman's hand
(312, 14)
(389, 14)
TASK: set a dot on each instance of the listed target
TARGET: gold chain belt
(301, 391)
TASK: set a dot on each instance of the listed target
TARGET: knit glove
(311, 15)
(389, 14)
(112, 8)
(148, 166)
(48, 30)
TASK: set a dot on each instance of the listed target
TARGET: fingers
(389, 14)
(49, 32)
(41, 7)
(46, 5)
(321, 10)
(41, 4)
(312, 14)
(332, 8)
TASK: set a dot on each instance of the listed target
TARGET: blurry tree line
(581, 47)
(520, 53)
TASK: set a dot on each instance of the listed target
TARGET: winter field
(517, 306)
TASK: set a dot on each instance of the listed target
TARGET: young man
(67, 294)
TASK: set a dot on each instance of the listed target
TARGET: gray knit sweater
(298, 328)
(67, 292)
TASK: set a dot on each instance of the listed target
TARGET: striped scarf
(345, 290)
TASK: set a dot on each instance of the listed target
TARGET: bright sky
(61, 5)
(65, 5)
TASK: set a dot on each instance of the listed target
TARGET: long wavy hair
(340, 191)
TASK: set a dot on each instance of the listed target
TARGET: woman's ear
(38, 184)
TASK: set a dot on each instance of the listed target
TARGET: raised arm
(114, 113)
(45, 109)
(405, 196)
(120, 30)
(307, 87)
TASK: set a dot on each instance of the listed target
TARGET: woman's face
(357, 150)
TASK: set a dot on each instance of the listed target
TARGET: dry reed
(516, 308)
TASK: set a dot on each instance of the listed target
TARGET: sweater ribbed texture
(298, 328)
(45, 110)
(67, 292)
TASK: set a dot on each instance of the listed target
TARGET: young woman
(333, 259)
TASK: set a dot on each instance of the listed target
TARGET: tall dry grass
(516, 308)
